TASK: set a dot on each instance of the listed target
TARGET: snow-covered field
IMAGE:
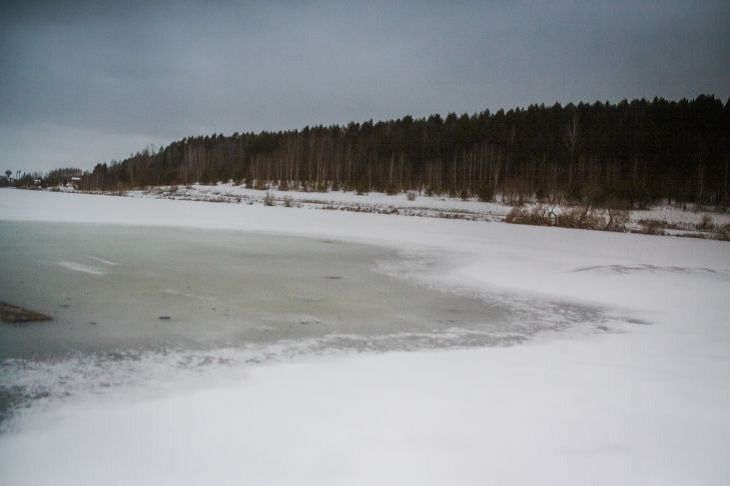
(643, 403)
(683, 219)
(376, 199)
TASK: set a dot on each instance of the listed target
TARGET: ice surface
(648, 405)
(217, 288)
(188, 293)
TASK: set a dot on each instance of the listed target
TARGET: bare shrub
(723, 232)
(651, 227)
(411, 195)
(618, 215)
(617, 219)
(287, 201)
(537, 216)
(515, 216)
(269, 199)
(582, 217)
(706, 223)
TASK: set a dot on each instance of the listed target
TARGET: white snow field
(646, 402)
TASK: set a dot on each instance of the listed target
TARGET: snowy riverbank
(645, 405)
(673, 220)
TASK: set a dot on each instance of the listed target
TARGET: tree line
(634, 151)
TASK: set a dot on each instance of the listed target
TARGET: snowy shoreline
(645, 406)
(664, 219)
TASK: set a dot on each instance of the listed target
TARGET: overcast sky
(85, 82)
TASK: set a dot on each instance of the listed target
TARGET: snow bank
(649, 405)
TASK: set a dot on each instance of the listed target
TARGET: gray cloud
(83, 82)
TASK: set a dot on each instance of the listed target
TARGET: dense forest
(637, 152)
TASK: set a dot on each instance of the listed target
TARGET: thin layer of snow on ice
(646, 406)
(102, 260)
(80, 267)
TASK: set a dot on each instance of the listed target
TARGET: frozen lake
(117, 293)
(586, 392)
(112, 288)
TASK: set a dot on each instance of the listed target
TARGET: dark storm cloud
(82, 82)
